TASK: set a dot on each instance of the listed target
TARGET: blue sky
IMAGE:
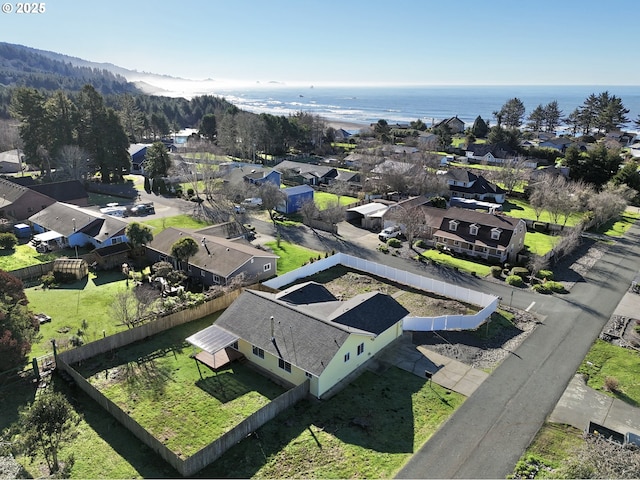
(466, 42)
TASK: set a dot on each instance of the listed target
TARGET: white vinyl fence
(489, 303)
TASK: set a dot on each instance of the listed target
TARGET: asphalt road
(487, 435)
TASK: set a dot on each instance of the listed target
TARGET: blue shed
(294, 198)
(22, 230)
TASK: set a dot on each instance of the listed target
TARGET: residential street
(489, 433)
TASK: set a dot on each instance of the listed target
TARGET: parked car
(143, 209)
(252, 202)
(239, 209)
(389, 232)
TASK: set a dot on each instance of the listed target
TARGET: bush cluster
(521, 272)
(394, 242)
(496, 271)
(514, 280)
(8, 241)
(545, 274)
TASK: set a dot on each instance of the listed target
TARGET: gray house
(218, 260)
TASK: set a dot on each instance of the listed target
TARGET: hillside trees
(47, 125)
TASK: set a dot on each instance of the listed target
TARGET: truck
(389, 232)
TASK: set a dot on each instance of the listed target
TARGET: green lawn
(161, 387)
(369, 430)
(179, 221)
(22, 256)
(521, 209)
(324, 200)
(89, 299)
(607, 360)
(540, 243)
(292, 256)
(618, 227)
(465, 265)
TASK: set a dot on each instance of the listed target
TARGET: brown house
(19, 203)
(491, 236)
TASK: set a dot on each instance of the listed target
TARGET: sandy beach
(348, 126)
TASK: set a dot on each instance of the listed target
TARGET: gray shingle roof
(221, 256)
(308, 335)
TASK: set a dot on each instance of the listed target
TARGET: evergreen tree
(479, 128)
(157, 160)
(536, 119)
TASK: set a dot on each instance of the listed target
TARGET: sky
(346, 42)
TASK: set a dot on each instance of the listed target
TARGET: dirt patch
(485, 347)
(345, 284)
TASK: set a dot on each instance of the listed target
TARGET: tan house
(306, 333)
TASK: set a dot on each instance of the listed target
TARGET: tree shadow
(78, 285)
(375, 412)
(238, 380)
(145, 378)
(104, 277)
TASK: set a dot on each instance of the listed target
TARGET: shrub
(383, 248)
(611, 384)
(394, 242)
(496, 271)
(64, 277)
(420, 244)
(48, 279)
(8, 241)
(545, 274)
(190, 192)
(521, 272)
(514, 280)
(541, 288)
(556, 287)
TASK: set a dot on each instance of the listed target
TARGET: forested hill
(25, 66)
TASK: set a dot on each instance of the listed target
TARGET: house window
(234, 345)
(216, 279)
(189, 268)
(456, 243)
(202, 273)
(258, 352)
(347, 356)
(473, 229)
(495, 233)
(453, 225)
(361, 349)
(286, 366)
(308, 375)
(267, 267)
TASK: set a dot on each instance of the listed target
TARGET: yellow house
(304, 332)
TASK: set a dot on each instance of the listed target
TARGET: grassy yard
(618, 227)
(160, 386)
(179, 221)
(291, 256)
(324, 200)
(369, 430)
(521, 209)
(607, 360)
(540, 243)
(450, 261)
(22, 256)
(89, 299)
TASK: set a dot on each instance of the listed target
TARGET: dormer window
(495, 233)
(473, 229)
(453, 225)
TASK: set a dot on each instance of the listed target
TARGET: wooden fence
(218, 447)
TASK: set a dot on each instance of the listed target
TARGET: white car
(389, 232)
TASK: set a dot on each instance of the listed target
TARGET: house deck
(218, 360)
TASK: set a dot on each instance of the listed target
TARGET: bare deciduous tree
(598, 457)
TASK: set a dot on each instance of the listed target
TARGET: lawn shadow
(235, 381)
(104, 277)
(141, 458)
(78, 285)
(374, 412)
(145, 378)
(508, 207)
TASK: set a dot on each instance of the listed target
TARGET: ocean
(366, 105)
